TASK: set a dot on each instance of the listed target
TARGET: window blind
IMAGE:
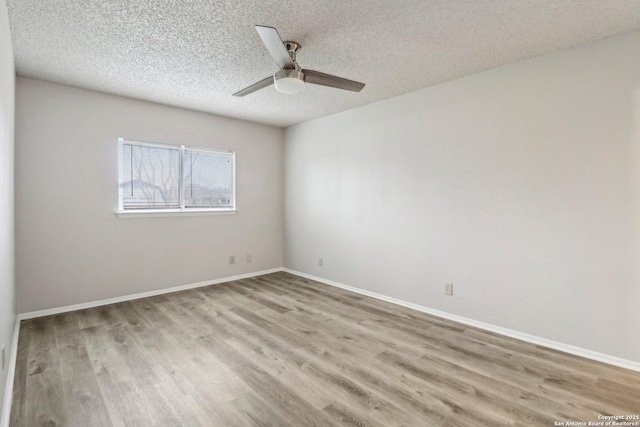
(155, 176)
(208, 179)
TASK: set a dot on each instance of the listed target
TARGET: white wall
(7, 259)
(70, 245)
(520, 185)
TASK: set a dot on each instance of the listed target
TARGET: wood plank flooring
(281, 350)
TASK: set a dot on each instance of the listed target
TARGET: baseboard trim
(577, 351)
(82, 306)
(8, 391)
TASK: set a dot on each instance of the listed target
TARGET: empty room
(307, 213)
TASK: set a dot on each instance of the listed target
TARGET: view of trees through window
(207, 179)
(173, 177)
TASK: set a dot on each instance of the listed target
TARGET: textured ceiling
(195, 54)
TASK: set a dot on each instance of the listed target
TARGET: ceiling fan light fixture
(289, 82)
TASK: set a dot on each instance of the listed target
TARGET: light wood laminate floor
(280, 350)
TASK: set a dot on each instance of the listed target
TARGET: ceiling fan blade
(322, 79)
(275, 46)
(255, 87)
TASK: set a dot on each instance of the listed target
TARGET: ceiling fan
(291, 78)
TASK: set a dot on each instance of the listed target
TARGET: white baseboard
(8, 391)
(578, 351)
(74, 307)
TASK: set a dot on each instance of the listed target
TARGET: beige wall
(7, 259)
(72, 248)
(520, 185)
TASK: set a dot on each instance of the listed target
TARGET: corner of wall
(8, 325)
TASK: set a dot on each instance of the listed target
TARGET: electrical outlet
(249, 258)
(448, 288)
(320, 262)
(3, 357)
(232, 259)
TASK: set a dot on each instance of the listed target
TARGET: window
(167, 178)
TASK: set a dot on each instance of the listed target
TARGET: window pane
(150, 177)
(208, 179)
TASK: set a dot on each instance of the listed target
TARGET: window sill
(159, 213)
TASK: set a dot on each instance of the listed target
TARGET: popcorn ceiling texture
(195, 54)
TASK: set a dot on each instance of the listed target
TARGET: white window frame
(182, 210)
